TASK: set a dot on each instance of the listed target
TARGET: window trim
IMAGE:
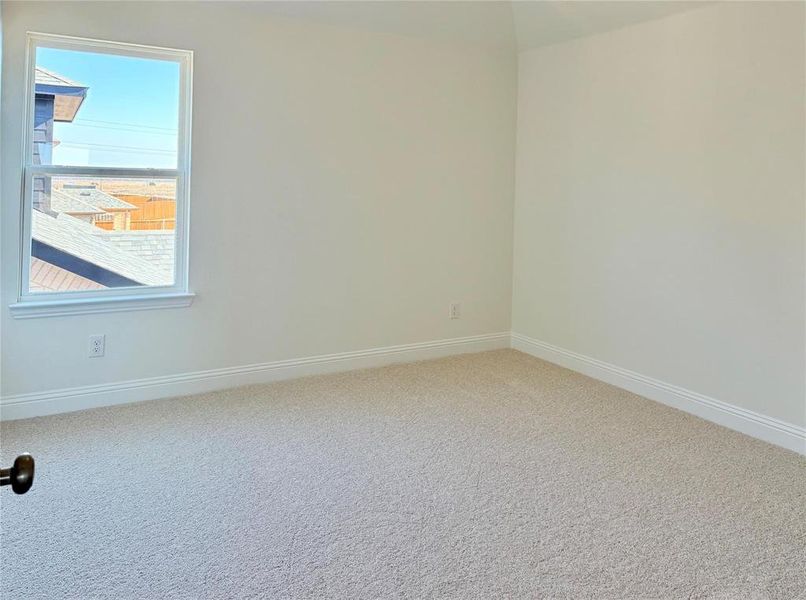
(31, 304)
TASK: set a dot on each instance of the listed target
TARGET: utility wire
(116, 148)
(129, 130)
(137, 125)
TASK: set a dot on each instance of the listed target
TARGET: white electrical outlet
(97, 346)
(455, 310)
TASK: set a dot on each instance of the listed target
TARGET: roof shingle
(61, 202)
(94, 196)
(79, 239)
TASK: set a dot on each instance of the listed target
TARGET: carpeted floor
(479, 476)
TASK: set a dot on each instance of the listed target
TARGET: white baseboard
(765, 428)
(746, 421)
(37, 404)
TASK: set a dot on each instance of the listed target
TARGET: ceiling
(498, 24)
(541, 23)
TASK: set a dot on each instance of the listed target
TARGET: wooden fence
(153, 212)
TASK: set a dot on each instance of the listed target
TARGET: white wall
(659, 218)
(385, 173)
(659, 203)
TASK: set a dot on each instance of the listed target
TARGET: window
(105, 177)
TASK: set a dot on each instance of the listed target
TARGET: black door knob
(21, 475)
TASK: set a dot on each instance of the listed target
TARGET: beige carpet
(480, 476)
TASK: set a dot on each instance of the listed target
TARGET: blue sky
(129, 117)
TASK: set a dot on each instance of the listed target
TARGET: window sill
(34, 309)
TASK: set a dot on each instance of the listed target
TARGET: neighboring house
(56, 99)
(68, 251)
(117, 210)
(67, 204)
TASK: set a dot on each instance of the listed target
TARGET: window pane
(95, 233)
(105, 110)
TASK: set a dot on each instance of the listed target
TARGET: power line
(129, 130)
(137, 125)
(115, 147)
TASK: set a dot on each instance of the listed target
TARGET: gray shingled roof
(46, 77)
(94, 196)
(61, 202)
(79, 239)
(155, 246)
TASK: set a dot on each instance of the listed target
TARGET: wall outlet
(97, 346)
(455, 310)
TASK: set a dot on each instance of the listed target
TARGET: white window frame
(36, 304)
